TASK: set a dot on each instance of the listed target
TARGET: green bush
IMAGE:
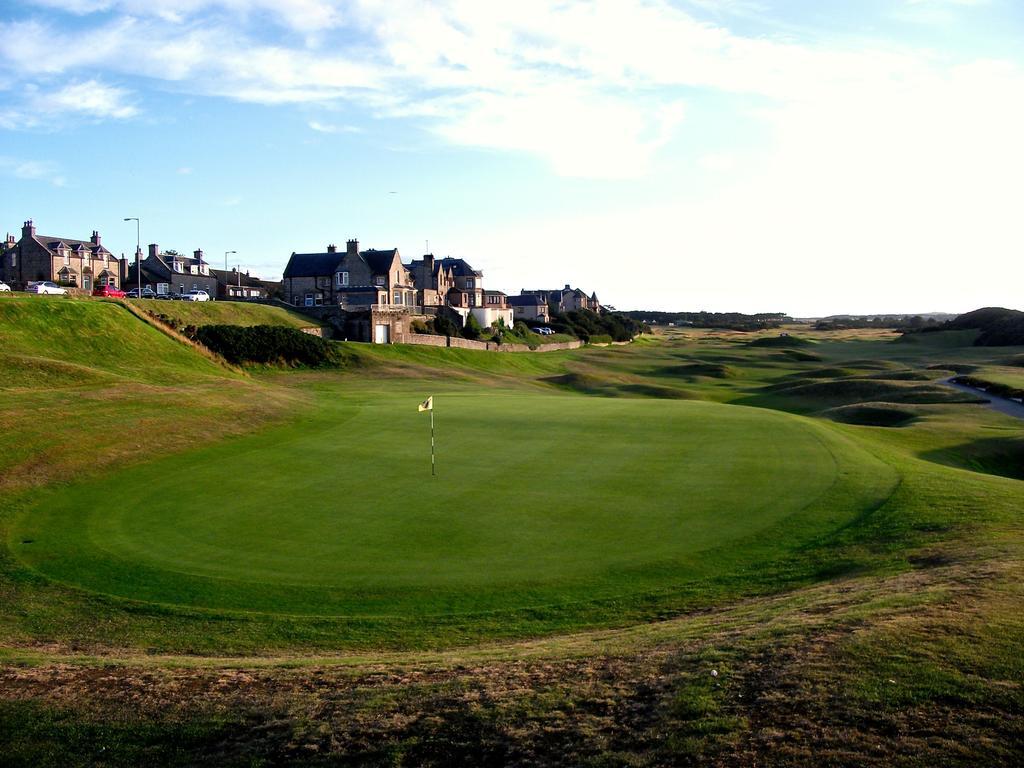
(472, 329)
(268, 345)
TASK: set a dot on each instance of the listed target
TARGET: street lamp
(138, 252)
(226, 259)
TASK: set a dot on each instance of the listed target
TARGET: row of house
(357, 280)
(87, 264)
(351, 280)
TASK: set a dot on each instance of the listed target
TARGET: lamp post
(226, 259)
(138, 252)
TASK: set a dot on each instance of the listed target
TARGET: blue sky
(754, 155)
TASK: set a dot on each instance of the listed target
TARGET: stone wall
(457, 342)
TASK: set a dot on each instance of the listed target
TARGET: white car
(45, 287)
(4, 287)
(196, 296)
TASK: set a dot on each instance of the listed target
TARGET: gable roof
(460, 268)
(528, 300)
(312, 264)
(53, 243)
(379, 261)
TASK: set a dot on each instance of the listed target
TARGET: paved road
(1001, 404)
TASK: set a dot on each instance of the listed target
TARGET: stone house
(352, 280)
(170, 272)
(83, 264)
(433, 281)
(241, 286)
(530, 308)
(566, 299)
(468, 297)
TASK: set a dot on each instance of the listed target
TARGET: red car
(109, 291)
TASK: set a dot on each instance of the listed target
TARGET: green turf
(338, 514)
(225, 313)
(55, 341)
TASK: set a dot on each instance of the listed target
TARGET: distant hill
(998, 326)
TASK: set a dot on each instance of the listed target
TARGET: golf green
(539, 500)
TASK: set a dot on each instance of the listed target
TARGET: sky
(812, 157)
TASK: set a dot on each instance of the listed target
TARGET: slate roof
(378, 261)
(530, 300)
(52, 243)
(230, 277)
(460, 268)
(312, 264)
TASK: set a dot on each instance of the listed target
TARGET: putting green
(540, 500)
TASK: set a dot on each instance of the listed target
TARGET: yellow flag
(428, 404)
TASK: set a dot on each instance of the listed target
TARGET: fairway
(541, 500)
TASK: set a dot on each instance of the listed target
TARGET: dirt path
(1001, 404)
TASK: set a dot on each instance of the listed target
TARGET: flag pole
(433, 473)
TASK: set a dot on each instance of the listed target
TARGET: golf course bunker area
(541, 502)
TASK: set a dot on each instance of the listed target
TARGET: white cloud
(32, 170)
(91, 98)
(185, 171)
(321, 127)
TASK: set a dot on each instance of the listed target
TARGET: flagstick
(432, 472)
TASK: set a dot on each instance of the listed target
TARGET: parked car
(110, 291)
(543, 331)
(45, 286)
(4, 287)
(196, 296)
(147, 293)
(169, 296)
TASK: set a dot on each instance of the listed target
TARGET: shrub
(268, 345)
(472, 329)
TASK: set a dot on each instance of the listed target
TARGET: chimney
(567, 287)
(428, 263)
(332, 248)
(10, 240)
(353, 247)
(95, 237)
(198, 254)
(28, 229)
(154, 250)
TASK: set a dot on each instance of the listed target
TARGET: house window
(342, 279)
(163, 289)
(469, 282)
(67, 258)
(309, 299)
(398, 297)
(14, 259)
(378, 280)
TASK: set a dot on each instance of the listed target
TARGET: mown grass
(807, 621)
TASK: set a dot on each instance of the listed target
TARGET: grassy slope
(225, 313)
(906, 648)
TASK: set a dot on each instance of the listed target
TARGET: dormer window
(378, 279)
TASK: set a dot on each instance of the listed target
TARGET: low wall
(456, 342)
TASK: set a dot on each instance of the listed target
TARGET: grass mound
(954, 367)
(179, 314)
(801, 356)
(585, 383)
(1003, 456)
(851, 391)
(872, 415)
(76, 342)
(690, 370)
(780, 341)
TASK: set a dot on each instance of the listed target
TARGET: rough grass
(198, 313)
